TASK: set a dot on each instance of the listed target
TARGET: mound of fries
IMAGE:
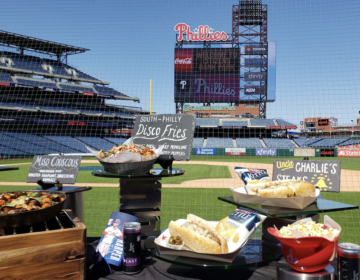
(133, 148)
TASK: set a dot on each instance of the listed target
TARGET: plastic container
(307, 254)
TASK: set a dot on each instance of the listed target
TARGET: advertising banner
(255, 76)
(281, 127)
(183, 60)
(327, 153)
(216, 61)
(324, 174)
(323, 122)
(207, 88)
(206, 151)
(348, 152)
(235, 151)
(4, 84)
(250, 90)
(49, 89)
(266, 152)
(255, 62)
(216, 87)
(256, 49)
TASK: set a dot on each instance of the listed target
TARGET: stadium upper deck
(44, 96)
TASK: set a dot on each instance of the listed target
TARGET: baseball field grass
(100, 202)
(196, 172)
(178, 202)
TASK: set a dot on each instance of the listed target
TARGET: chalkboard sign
(52, 169)
(176, 132)
(324, 174)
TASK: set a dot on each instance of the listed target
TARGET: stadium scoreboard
(225, 74)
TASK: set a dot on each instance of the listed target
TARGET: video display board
(225, 74)
(207, 75)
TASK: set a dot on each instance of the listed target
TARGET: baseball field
(206, 178)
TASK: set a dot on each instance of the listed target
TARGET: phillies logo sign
(202, 33)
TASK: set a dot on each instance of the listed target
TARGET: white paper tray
(240, 195)
(161, 246)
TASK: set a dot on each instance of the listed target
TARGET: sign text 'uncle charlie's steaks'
(174, 131)
(324, 174)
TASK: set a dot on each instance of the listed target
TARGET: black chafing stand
(140, 195)
(74, 196)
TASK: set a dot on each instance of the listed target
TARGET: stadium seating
(115, 140)
(198, 142)
(40, 141)
(328, 143)
(68, 141)
(349, 142)
(58, 109)
(262, 122)
(5, 77)
(219, 143)
(58, 68)
(248, 143)
(234, 123)
(95, 112)
(9, 151)
(81, 74)
(304, 142)
(123, 114)
(74, 87)
(36, 83)
(17, 105)
(284, 123)
(109, 91)
(96, 142)
(278, 143)
(23, 146)
(26, 62)
(204, 122)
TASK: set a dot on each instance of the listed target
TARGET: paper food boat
(240, 195)
(234, 248)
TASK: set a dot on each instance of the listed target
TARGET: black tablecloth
(152, 268)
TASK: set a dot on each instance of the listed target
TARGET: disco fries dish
(130, 159)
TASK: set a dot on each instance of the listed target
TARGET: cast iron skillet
(33, 217)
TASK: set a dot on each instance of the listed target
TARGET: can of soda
(132, 248)
(348, 261)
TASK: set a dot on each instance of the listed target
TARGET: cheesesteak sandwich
(199, 235)
(286, 188)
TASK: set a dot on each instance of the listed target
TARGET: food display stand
(140, 195)
(262, 249)
(284, 216)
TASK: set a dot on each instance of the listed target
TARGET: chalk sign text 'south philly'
(174, 131)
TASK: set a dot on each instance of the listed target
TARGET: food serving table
(140, 195)
(283, 216)
(8, 168)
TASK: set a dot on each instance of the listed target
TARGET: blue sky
(131, 42)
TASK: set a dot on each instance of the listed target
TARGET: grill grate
(59, 222)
